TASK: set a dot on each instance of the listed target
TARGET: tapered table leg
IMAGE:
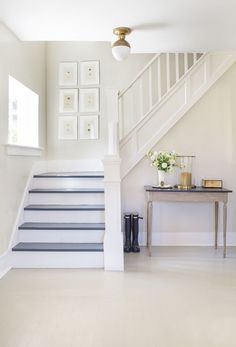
(216, 223)
(149, 227)
(224, 228)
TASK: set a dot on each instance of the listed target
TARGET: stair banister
(185, 77)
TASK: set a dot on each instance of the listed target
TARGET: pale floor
(181, 297)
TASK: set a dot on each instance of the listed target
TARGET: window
(23, 115)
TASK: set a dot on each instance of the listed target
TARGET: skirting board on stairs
(187, 238)
(5, 264)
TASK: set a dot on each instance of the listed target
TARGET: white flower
(172, 162)
(152, 157)
(164, 165)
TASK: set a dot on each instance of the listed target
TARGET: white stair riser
(67, 183)
(79, 236)
(66, 198)
(64, 216)
(57, 260)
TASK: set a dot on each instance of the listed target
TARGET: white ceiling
(158, 25)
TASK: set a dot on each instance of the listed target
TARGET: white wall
(25, 62)
(115, 75)
(208, 131)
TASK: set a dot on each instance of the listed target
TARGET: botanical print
(68, 100)
(68, 74)
(89, 100)
(89, 73)
(67, 128)
(88, 127)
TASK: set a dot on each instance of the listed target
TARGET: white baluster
(194, 58)
(176, 67)
(159, 78)
(150, 86)
(167, 71)
(121, 117)
(141, 98)
(185, 62)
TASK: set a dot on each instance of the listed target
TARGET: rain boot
(127, 245)
(135, 231)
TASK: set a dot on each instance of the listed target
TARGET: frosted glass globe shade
(120, 52)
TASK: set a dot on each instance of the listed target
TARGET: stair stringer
(173, 106)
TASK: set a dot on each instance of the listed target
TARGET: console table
(199, 194)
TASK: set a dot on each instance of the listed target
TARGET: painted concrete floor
(181, 297)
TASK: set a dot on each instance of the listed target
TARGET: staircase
(70, 214)
(62, 224)
(160, 96)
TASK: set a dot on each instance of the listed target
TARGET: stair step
(62, 226)
(67, 190)
(64, 207)
(57, 247)
(70, 175)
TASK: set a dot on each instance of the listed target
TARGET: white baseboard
(187, 239)
(5, 264)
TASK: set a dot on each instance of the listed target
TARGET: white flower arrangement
(163, 161)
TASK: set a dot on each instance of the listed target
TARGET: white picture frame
(89, 127)
(68, 74)
(89, 73)
(68, 100)
(68, 128)
(89, 100)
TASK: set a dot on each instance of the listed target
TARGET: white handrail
(139, 74)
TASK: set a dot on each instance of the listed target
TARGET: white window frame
(22, 148)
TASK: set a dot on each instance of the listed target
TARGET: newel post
(113, 239)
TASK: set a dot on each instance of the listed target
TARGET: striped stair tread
(57, 247)
(62, 226)
(67, 190)
(65, 208)
(70, 175)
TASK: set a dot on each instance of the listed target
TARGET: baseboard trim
(5, 264)
(187, 239)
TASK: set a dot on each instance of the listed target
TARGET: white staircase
(160, 95)
(70, 216)
(62, 222)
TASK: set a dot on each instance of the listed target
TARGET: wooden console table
(198, 194)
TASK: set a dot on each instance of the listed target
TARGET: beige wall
(208, 131)
(25, 62)
(115, 75)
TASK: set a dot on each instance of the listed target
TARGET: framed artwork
(89, 100)
(89, 73)
(67, 128)
(68, 74)
(88, 127)
(68, 100)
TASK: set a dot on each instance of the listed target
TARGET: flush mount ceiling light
(121, 48)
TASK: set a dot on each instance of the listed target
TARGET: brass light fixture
(121, 47)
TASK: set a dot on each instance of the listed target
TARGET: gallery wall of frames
(79, 100)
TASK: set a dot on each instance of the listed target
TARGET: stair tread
(66, 190)
(58, 247)
(55, 207)
(62, 226)
(84, 174)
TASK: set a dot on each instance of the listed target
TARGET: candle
(186, 179)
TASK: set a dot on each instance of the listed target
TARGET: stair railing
(148, 88)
